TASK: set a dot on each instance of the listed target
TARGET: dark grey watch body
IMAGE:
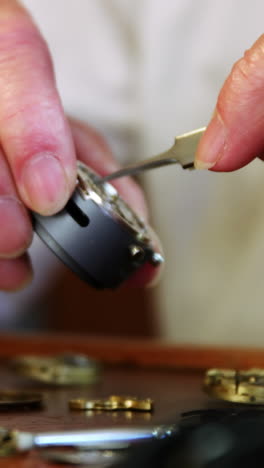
(97, 234)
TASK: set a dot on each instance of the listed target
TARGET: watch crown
(156, 259)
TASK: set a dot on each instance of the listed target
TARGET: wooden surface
(139, 352)
(135, 368)
(172, 391)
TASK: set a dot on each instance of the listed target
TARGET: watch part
(68, 369)
(238, 386)
(113, 403)
(108, 197)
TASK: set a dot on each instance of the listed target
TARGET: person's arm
(37, 146)
(235, 135)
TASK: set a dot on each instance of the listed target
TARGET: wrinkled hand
(235, 135)
(38, 145)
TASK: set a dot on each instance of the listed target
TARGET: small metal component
(102, 458)
(8, 444)
(157, 259)
(17, 398)
(182, 152)
(137, 253)
(92, 235)
(113, 403)
(68, 369)
(97, 439)
(246, 386)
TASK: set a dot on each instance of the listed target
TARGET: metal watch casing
(97, 235)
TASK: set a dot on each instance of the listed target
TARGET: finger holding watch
(38, 157)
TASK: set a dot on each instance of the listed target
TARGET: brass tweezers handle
(182, 152)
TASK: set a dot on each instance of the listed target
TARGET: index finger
(235, 134)
(33, 129)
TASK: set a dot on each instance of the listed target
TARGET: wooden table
(172, 376)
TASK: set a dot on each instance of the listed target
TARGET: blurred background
(141, 73)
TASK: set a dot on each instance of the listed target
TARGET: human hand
(37, 143)
(235, 135)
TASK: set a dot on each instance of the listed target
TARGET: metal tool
(182, 152)
(94, 439)
(112, 403)
(245, 386)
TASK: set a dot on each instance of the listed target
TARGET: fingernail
(16, 231)
(44, 184)
(212, 146)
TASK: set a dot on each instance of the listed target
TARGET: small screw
(137, 253)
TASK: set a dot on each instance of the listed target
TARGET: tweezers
(182, 152)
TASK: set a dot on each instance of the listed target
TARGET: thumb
(235, 134)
